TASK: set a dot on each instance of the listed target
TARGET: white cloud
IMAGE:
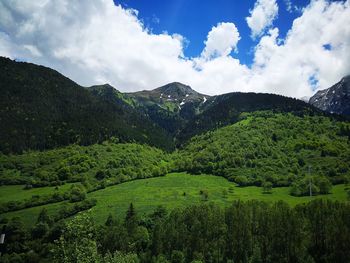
(262, 16)
(288, 68)
(221, 40)
(289, 5)
(94, 42)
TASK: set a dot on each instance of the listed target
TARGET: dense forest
(243, 232)
(41, 109)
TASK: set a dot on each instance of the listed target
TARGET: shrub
(267, 187)
(77, 193)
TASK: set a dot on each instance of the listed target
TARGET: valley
(169, 191)
(142, 173)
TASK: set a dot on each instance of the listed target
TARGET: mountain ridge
(43, 109)
(335, 99)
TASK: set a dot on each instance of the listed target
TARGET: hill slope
(266, 146)
(40, 109)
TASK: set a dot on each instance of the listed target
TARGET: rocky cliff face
(335, 99)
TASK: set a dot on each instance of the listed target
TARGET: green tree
(119, 257)
(131, 220)
(77, 193)
(110, 220)
(39, 230)
(44, 217)
(241, 180)
(267, 187)
(177, 257)
(324, 185)
(77, 243)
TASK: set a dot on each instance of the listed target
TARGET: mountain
(226, 109)
(172, 96)
(335, 99)
(41, 109)
(170, 106)
(184, 112)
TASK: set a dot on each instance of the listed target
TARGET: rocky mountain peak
(176, 89)
(335, 99)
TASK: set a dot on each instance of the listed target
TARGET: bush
(324, 185)
(77, 193)
(267, 187)
(242, 180)
(100, 175)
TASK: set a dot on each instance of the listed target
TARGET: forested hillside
(185, 113)
(90, 167)
(42, 109)
(105, 163)
(225, 109)
(279, 148)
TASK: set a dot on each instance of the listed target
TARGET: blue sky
(215, 46)
(193, 19)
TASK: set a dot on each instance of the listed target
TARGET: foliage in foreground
(243, 232)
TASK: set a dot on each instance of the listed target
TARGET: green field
(17, 193)
(147, 194)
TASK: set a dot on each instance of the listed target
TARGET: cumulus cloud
(221, 40)
(95, 42)
(91, 42)
(294, 65)
(262, 16)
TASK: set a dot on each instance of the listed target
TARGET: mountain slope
(40, 109)
(225, 109)
(335, 99)
(184, 112)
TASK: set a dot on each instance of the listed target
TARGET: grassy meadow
(172, 190)
(17, 192)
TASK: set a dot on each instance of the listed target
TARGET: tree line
(252, 231)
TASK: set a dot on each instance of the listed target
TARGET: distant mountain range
(335, 99)
(41, 109)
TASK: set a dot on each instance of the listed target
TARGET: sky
(193, 19)
(287, 47)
